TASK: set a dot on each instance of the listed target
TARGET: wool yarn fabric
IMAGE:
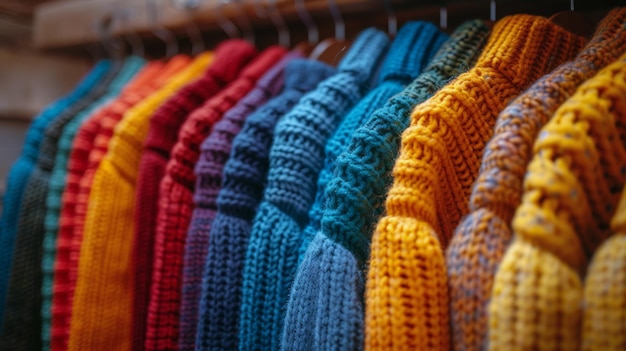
(571, 190)
(324, 310)
(355, 197)
(481, 239)
(21, 169)
(176, 202)
(243, 182)
(296, 158)
(102, 311)
(407, 291)
(23, 311)
(88, 148)
(229, 59)
(214, 152)
(604, 317)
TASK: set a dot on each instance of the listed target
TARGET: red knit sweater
(176, 203)
(229, 59)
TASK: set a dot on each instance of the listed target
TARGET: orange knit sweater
(407, 292)
(102, 312)
(571, 189)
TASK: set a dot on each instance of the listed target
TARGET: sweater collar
(365, 55)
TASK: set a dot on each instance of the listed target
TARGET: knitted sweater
(407, 291)
(23, 313)
(571, 189)
(354, 201)
(243, 182)
(101, 318)
(21, 169)
(296, 159)
(215, 150)
(56, 184)
(176, 203)
(605, 290)
(230, 57)
(88, 148)
(481, 239)
(316, 322)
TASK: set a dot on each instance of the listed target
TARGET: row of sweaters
(430, 192)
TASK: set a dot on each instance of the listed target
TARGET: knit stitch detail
(407, 292)
(296, 158)
(571, 189)
(481, 239)
(244, 179)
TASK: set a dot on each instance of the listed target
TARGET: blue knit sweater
(322, 325)
(21, 169)
(296, 159)
(325, 310)
(243, 182)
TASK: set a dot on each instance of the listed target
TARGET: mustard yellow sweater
(103, 297)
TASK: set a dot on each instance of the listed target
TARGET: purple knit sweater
(215, 151)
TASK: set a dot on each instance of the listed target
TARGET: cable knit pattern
(102, 317)
(23, 313)
(176, 202)
(324, 310)
(215, 150)
(22, 168)
(571, 189)
(296, 159)
(481, 239)
(407, 291)
(56, 185)
(230, 57)
(604, 315)
(243, 181)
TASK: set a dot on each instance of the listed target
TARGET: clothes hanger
(331, 50)
(137, 47)
(443, 16)
(306, 47)
(159, 31)
(392, 20)
(191, 27)
(284, 37)
(244, 21)
(573, 21)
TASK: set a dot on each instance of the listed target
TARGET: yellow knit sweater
(407, 293)
(571, 190)
(103, 299)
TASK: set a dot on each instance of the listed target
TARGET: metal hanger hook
(134, 40)
(443, 16)
(392, 20)
(171, 44)
(284, 36)
(313, 33)
(492, 12)
(191, 27)
(340, 27)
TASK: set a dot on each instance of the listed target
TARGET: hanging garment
(604, 315)
(23, 311)
(327, 317)
(214, 152)
(407, 290)
(88, 148)
(23, 167)
(571, 190)
(330, 279)
(176, 203)
(56, 185)
(104, 269)
(481, 239)
(230, 57)
(296, 159)
(243, 182)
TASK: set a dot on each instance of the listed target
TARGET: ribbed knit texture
(230, 57)
(56, 185)
(88, 148)
(23, 309)
(296, 158)
(176, 203)
(22, 168)
(214, 152)
(407, 291)
(243, 181)
(481, 239)
(102, 312)
(604, 315)
(571, 190)
(325, 309)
